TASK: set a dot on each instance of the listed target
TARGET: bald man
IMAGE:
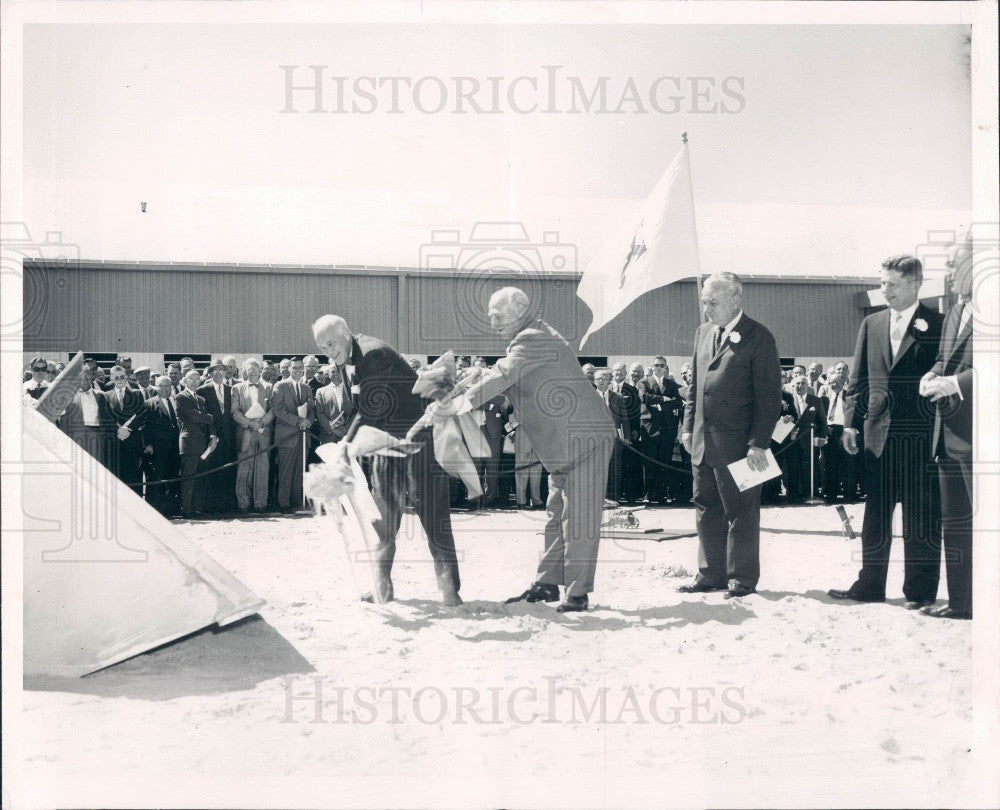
(732, 406)
(569, 428)
(381, 386)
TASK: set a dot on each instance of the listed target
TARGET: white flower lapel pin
(920, 325)
(734, 337)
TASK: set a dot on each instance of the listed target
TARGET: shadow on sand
(210, 662)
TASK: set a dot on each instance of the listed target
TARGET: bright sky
(853, 142)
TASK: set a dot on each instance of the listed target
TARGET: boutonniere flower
(734, 337)
(920, 325)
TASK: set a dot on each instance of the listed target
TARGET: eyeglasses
(119, 377)
(39, 368)
(659, 365)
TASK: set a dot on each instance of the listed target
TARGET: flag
(656, 246)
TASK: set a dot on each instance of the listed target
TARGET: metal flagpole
(305, 453)
(694, 221)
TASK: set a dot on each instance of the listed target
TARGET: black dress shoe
(573, 604)
(854, 596)
(538, 592)
(946, 612)
(917, 604)
(700, 587)
(739, 590)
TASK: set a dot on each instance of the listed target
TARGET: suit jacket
(496, 418)
(333, 419)
(632, 404)
(133, 407)
(71, 421)
(160, 432)
(662, 401)
(883, 395)
(953, 416)
(558, 409)
(222, 412)
(619, 414)
(195, 422)
(735, 394)
(244, 396)
(285, 407)
(382, 387)
(814, 417)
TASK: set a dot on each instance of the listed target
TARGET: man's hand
(304, 423)
(927, 384)
(787, 418)
(757, 459)
(123, 433)
(819, 441)
(148, 450)
(942, 388)
(850, 440)
(686, 441)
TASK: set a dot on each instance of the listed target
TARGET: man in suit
(88, 420)
(661, 398)
(631, 464)
(807, 412)
(174, 373)
(949, 386)
(161, 436)
(196, 432)
(292, 404)
(36, 386)
(221, 485)
(140, 382)
(384, 399)
(619, 419)
(817, 379)
(251, 410)
(896, 348)
(731, 409)
(334, 408)
(636, 374)
(128, 408)
(569, 428)
(838, 466)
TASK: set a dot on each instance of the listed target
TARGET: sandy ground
(781, 698)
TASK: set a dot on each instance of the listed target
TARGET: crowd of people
(238, 438)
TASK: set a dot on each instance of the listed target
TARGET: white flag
(657, 245)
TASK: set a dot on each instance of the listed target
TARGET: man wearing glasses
(36, 386)
(127, 407)
(661, 396)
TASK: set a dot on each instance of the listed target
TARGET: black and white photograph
(500, 405)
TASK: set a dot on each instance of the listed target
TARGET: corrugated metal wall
(151, 307)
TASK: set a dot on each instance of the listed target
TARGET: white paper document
(746, 478)
(255, 411)
(781, 430)
(303, 410)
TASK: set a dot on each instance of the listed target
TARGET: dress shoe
(854, 596)
(573, 604)
(538, 592)
(451, 599)
(700, 587)
(739, 590)
(917, 604)
(537, 505)
(946, 612)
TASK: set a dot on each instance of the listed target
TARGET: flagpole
(694, 221)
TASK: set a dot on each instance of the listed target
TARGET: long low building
(164, 310)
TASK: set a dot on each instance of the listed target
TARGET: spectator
(806, 410)
(662, 401)
(140, 382)
(290, 398)
(161, 436)
(284, 368)
(270, 373)
(251, 411)
(196, 428)
(88, 420)
(220, 485)
(35, 386)
(311, 365)
(232, 370)
(589, 371)
(619, 418)
(817, 379)
(174, 373)
(52, 371)
(838, 467)
(631, 486)
(129, 412)
(334, 408)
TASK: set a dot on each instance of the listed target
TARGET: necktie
(964, 318)
(173, 416)
(718, 340)
(896, 334)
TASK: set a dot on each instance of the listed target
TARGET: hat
(216, 364)
(142, 369)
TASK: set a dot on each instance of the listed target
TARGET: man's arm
(856, 391)
(187, 411)
(692, 395)
(237, 413)
(280, 410)
(766, 383)
(321, 413)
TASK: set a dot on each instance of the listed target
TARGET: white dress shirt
(836, 415)
(898, 322)
(88, 404)
(728, 328)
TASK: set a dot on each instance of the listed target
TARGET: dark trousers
(616, 473)
(489, 468)
(192, 489)
(955, 476)
(221, 486)
(290, 474)
(728, 524)
(905, 474)
(164, 498)
(659, 447)
(838, 468)
(633, 466)
(795, 471)
(421, 478)
(127, 464)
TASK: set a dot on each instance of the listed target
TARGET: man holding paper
(197, 440)
(292, 405)
(733, 403)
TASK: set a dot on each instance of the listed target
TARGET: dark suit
(384, 399)
(631, 464)
(797, 447)
(221, 485)
(495, 417)
(619, 418)
(839, 475)
(196, 429)
(661, 399)
(883, 400)
(101, 441)
(732, 405)
(131, 410)
(286, 398)
(162, 433)
(952, 444)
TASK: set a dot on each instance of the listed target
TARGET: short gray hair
(727, 279)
